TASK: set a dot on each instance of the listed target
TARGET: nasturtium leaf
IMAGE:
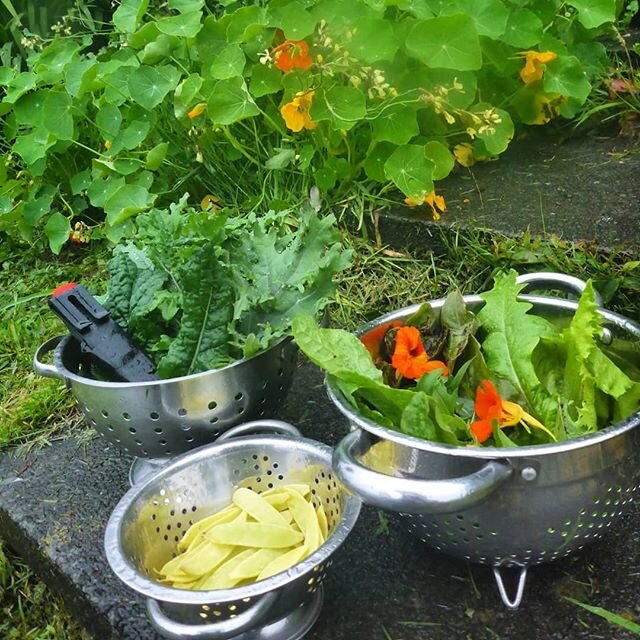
(375, 160)
(79, 76)
(294, 20)
(265, 80)
(212, 38)
(490, 16)
(593, 57)
(282, 159)
(593, 13)
(108, 121)
(396, 124)
(229, 63)
(6, 75)
(230, 101)
(373, 40)
(19, 85)
(524, 29)
(448, 42)
(148, 86)
(418, 8)
(58, 120)
(134, 134)
(127, 201)
(186, 94)
(80, 181)
(156, 156)
(499, 134)
(186, 6)
(325, 178)
(147, 33)
(54, 58)
(441, 157)
(158, 49)
(100, 190)
(566, 76)
(343, 106)
(57, 231)
(127, 16)
(38, 206)
(410, 170)
(116, 85)
(33, 146)
(243, 22)
(30, 108)
(185, 25)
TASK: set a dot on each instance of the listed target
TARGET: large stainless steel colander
(144, 528)
(163, 418)
(512, 507)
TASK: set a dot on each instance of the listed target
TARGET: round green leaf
(565, 76)
(79, 76)
(265, 80)
(229, 63)
(410, 170)
(58, 121)
(374, 162)
(37, 206)
(128, 200)
(57, 231)
(524, 29)
(156, 156)
(374, 40)
(149, 85)
(500, 134)
(33, 146)
(242, 23)
(231, 101)
(186, 6)
(343, 106)
(441, 157)
(296, 22)
(593, 13)
(449, 42)
(186, 94)
(108, 120)
(186, 25)
(127, 16)
(490, 16)
(212, 38)
(396, 124)
(19, 85)
(158, 49)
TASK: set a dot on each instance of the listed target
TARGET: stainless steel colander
(166, 417)
(144, 528)
(512, 507)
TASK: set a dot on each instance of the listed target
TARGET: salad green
(200, 289)
(502, 376)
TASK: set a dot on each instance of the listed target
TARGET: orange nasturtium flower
(197, 110)
(410, 359)
(534, 60)
(492, 409)
(437, 203)
(373, 339)
(292, 54)
(296, 113)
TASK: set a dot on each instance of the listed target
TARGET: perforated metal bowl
(144, 528)
(506, 507)
(167, 417)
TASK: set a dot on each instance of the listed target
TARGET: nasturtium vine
(306, 92)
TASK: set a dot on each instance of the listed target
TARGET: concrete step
(384, 583)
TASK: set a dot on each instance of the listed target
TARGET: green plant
(261, 101)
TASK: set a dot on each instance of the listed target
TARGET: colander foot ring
(511, 603)
(142, 468)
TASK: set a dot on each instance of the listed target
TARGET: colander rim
(133, 578)
(90, 382)
(492, 453)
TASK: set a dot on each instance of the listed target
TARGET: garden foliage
(229, 99)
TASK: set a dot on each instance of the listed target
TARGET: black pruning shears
(105, 343)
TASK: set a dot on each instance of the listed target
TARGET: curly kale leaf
(202, 341)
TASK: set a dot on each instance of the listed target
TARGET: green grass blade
(611, 617)
(7, 4)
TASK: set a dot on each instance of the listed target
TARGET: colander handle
(47, 370)
(410, 495)
(259, 426)
(558, 281)
(221, 630)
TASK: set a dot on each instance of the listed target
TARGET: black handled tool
(100, 336)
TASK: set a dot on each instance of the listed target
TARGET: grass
(34, 410)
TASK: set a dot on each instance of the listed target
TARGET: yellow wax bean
(305, 517)
(257, 507)
(302, 489)
(284, 562)
(256, 562)
(205, 558)
(322, 522)
(255, 534)
(226, 515)
(221, 577)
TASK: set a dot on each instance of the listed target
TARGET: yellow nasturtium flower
(437, 203)
(533, 70)
(197, 110)
(296, 113)
(463, 153)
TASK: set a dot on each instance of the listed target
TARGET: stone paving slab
(383, 585)
(580, 189)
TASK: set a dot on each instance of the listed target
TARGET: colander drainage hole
(105, 414)
(213, 420)
(239, 396)
(132, 430)
(158, 429)
(126, 416)
(182, 412)
(212, 405)
(154, 415)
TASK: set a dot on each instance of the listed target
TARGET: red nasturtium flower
(410, 359)
(292, 54)
(492, 409)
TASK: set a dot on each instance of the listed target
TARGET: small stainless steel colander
(144, 528)
(505, 507)
(163, 418)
